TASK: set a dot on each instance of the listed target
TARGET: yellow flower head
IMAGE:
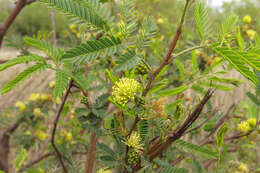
(34, 97)
(68, 136)
(252, 122)
(52, 84)
(104, 170)
(160, 21)
(73, 26)
(251, 34)
(247, 19)
(41, 135)
(27, 133)
(134, 141)
(125, 90)
(36, 112)
(57, 100)
(243, 126)
(243, 168)
(21, 106)
(43, 97)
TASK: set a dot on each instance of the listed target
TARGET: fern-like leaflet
(238, 61)
(146, 33)
(22, 59)
(22, 76)
(127, 61)
(202, 21)
(86, 13)
(94, 48)
(62, 80)
(128, 23)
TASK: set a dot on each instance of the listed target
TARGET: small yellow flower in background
(21, 106)
(125, 90)
(68, 136)
(41, 135)
(160, 21)
(52, 84)
(243, 168)
(57, 100)
(43, 97)
(37, 112)
(243, 126)
(34, 97)
(252, 122)
(27, 133)
(247, 19)
(134, 141)
(251, 34)
(78, 35)
(73, 26)
(63, 132)
(104, 170)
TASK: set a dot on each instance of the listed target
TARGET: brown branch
(220, 122)
(13, 127)
(10, 19)
(203, 122)
(168, 57)
(56, 123)
(179, 131)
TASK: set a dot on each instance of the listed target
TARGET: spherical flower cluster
(252, 122)
(104, 170)
(243, 168)
(133, 157)
(125, 90)
(21, 106)
(34, 97)
(37, 112)
(44, 97)
(245, 126)
(41, 135)
(52, 84)
(134, 142)
(251, 34)
(247, 19)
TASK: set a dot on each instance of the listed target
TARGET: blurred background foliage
(36, 17)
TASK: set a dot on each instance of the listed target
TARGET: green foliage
(62, 80)
(174, 91)
(202, 21)
(146, 33)
(22, 59)
(167, 168)
(22, 76)
(238, 60)
(92, 49)
(195, 148)
(20, 159)
(127, 11)
(127, 61)
(85, 13)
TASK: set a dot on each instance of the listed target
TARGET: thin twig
(169, 56)
(178, 132)
(54, 29)
(10, 19)
(56, 123)
(203, 122)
